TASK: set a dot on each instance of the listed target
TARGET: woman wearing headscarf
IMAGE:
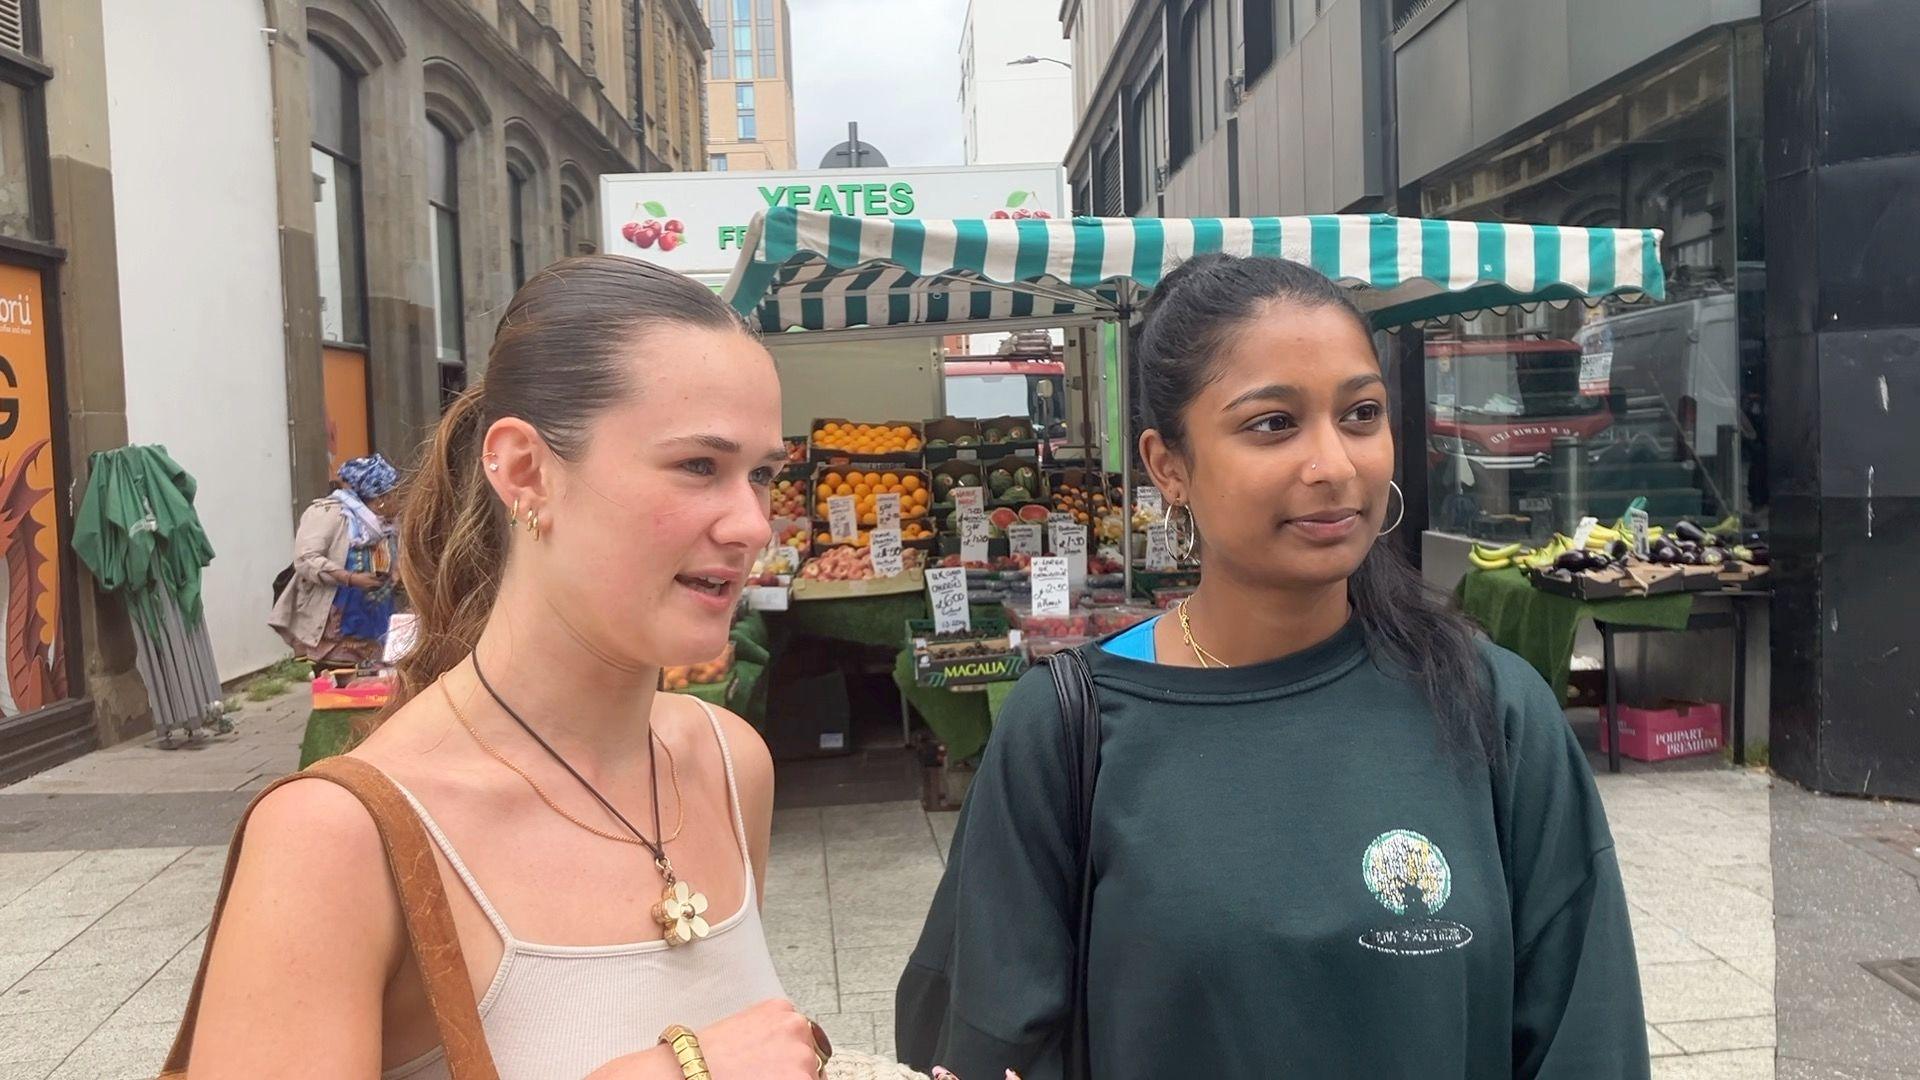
(336, 607)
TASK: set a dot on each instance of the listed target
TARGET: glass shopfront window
(1538, 417)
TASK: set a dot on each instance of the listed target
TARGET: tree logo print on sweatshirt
(1409, 876)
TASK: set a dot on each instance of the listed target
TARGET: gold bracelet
(686, 1048)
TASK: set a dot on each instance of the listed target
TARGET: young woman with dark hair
(1335, 834)
(585, 515)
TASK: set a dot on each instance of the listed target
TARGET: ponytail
(453, 546)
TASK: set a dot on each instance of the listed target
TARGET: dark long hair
(1409, 628)
(560, 358)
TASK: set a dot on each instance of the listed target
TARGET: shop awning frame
(897, 277)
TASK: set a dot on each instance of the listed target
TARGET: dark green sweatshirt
(1292, 879)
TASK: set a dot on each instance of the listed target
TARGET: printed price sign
(1159, 546)
(1637, 524)
(1070, 541)
(886, 511)
(1025, 538)
(970, 498)
(843, 521)
(947, 592)
(973, 537)
(1148, 499)
(1052, 588)
(888, 557)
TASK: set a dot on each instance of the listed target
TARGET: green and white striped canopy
(804, 270)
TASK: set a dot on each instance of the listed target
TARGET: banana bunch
(1485, 558)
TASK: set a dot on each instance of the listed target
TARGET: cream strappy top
(558, 1012)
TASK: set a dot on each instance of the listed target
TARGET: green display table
(1540, 626)
(868, 620)
(329, 732)
(960, 719)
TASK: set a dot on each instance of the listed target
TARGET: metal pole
(1126, 450)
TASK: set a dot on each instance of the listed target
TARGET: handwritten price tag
(1052, 588)
(1056, 519)
(1637, 523)
(947, 593)
(1025, 539)
(886, 511)
(970, 498)
(1159, 546)
(973, 537)
(1070, 541)
(888, 554)
(843, 521)
(1148, 499)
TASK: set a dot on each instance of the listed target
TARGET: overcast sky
(891, 65)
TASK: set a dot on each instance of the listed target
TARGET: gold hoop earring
(513, 515)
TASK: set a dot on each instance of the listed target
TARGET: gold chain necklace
(1207, 659)
(673, 770)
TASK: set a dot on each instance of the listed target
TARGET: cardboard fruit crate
(990, 652)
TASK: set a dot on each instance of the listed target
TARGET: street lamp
(1032, 59)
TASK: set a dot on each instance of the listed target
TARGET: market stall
(850, 278)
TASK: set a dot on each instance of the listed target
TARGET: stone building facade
(276, 235)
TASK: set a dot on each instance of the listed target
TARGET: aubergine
(1688, 558)
(1761, 557)
(1664, 556)
(1575, 561)
(1619, 549)
(1687, 530)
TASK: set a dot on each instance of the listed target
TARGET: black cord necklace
(681, 906)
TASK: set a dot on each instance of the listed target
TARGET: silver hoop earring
(1184, 538)
(1395, 488)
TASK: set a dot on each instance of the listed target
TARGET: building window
(1146, 156)
(1267, 29)
(1204, 73)
(722, 64)
(443, 204)
(336, 194)
(517, 224)
(743, 66)
(716, 163)
(743, 108)
(764, 33)
(22, 207)
(743, 11)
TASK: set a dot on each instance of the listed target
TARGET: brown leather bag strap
(431, 937)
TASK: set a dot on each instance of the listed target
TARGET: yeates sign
(697, 222)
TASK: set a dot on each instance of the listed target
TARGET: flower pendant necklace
(682, 908)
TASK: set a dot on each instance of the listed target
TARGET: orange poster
(345, 375)
(29, 525)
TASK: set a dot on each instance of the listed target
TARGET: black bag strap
(1080, 727)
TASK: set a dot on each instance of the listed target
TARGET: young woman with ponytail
(585, 515)
(1334, 833)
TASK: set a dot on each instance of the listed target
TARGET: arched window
(443, 209)
(517, 184)
(339, 236)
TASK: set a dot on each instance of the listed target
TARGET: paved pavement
(108, 866)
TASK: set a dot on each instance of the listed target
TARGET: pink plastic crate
(1675, 730)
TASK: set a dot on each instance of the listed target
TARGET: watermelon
(998, 481)
(1002, 517)
(1035, 513)
(1025, 477)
